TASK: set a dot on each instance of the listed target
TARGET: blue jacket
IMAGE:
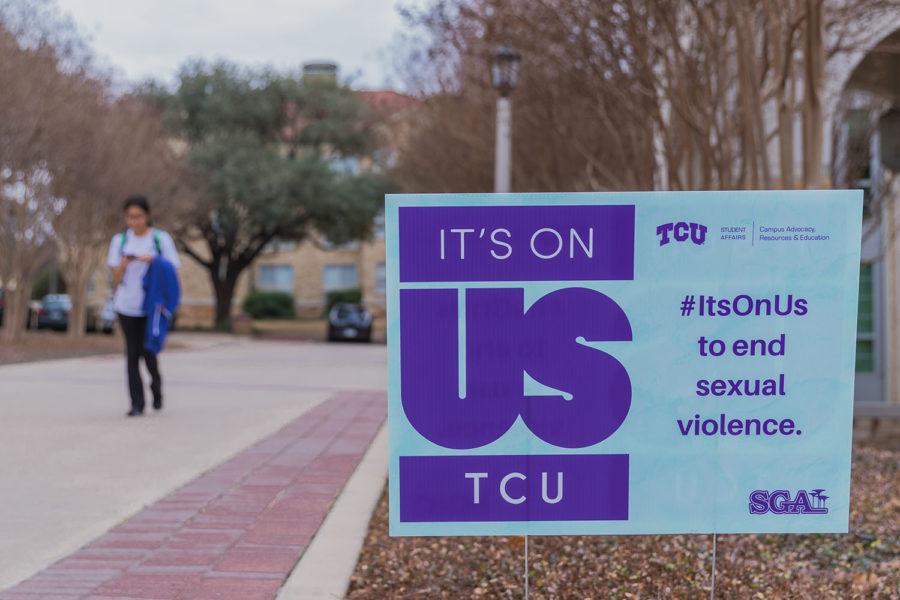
(162, 294)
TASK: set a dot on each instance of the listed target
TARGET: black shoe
(157, 403)
(135, 413)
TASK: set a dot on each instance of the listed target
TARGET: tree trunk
(814, 62)
(781, 38)
(752, 148)
(224, 288)
(76, 268)
(15, 312)
(224, 272)
(77, 288)
(785, 139)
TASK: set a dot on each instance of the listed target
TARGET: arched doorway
(867, 156)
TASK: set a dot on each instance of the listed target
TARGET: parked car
(349, 322)
(102, 318)
(54, 312)
(31, 313)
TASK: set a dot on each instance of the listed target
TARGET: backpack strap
(157, 241)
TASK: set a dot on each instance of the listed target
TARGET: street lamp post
(504, 76)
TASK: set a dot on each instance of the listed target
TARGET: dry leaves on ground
(862, 564)
(51, 345)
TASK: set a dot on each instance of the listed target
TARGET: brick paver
(235, 532)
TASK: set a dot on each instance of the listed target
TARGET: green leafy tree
(264, 148)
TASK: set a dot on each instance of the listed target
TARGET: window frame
(348, 266)
(871, 336)
(260, 285)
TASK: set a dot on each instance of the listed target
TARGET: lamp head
(505, 69)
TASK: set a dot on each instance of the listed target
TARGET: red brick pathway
(235, 532)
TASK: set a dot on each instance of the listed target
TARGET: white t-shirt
(128, 299)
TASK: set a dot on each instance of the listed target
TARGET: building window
(380, 284)
(865, 322)
(275, 278)
(340, 277)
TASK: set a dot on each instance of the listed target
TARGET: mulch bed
(51, 345)
(862, 564)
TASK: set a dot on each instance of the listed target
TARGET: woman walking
(130, 254)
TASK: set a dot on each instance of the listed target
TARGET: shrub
(350, 296)
(269, 305)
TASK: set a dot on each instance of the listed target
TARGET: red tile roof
(388, 102)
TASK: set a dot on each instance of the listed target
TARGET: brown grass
(51, 345)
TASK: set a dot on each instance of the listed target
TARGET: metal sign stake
(712, 588)
(526, 566)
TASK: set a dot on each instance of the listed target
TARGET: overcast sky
(153, 38)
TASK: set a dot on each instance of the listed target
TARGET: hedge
(269, 305)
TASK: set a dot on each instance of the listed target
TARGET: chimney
(319, 72)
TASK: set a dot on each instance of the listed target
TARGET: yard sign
(621, 363)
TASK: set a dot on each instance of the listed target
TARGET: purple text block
(514, 488)
(516, 243)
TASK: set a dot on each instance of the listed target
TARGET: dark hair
(138, 201)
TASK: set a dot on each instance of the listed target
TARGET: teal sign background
(686, 483)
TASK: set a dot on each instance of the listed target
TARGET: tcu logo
(503, 342)
(781, 502)
(680, 233)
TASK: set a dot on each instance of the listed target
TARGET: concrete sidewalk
(73, 466)
(235, 532)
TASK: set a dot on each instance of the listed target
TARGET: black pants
(135, 328)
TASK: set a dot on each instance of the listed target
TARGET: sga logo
(468, 399)
(681, 232)
(781, 502)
